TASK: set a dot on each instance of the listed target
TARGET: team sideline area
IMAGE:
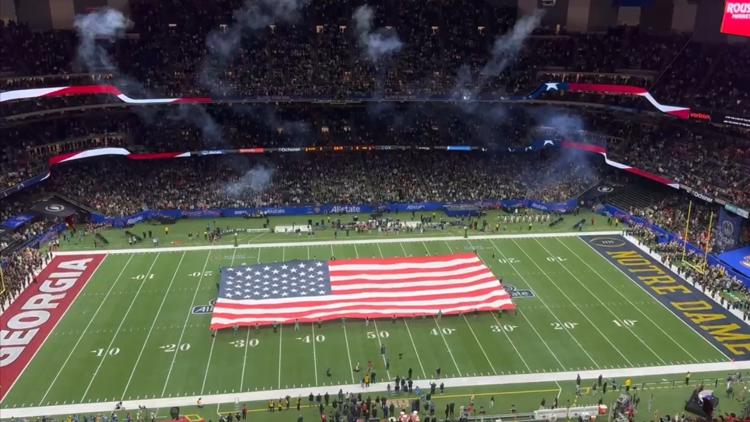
(138, 331)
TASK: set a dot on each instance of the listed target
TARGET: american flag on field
(314, 290)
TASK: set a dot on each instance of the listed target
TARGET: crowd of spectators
(119, 187)
(18, 271)
(319, 55)
(713, 280)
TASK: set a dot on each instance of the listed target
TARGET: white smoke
(222, 45)
(506, 47)
(504, 51)
(376, 44)
(94, 29)
(255, 181)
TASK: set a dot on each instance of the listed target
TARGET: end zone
(31, 318)
(720, 327)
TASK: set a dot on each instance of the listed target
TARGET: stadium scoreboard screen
(736, 20)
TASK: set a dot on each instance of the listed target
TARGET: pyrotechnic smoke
(222, 45)
(253, 182)
(95, 30)
(504, 51)
(378, 43)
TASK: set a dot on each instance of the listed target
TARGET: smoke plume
(222, 45)
(96, 30)
(378, 43)
(253, 182)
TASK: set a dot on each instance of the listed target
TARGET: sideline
(342, 242)
(71, 409)
(657, 257)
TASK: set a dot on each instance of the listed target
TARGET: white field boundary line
(343, 242)
(657, 257)
(658, 301)
(70, 409)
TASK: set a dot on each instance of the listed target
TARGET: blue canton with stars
(275, 281)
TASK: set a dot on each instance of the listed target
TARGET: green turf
(178, 235)
(131, 333)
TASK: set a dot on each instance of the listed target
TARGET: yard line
(574, 305)
(315, 355)
(403, 249)
(247, 340)
(507, 336)
(333, 254)
(377, 335)
(151, 329)
(213, 341)
(638, 308)
(356, 252)
(184, 325)
(546, 306)
(91, 320)
(111, 342)
(440, 331)
(348, 353)
(281, 326)
(377, 331)
(424, 374)
(514, 346)
(380, 250)
(283, 253)
(480, 345)
(603, 305)
(208, 364)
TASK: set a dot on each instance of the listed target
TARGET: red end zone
(27, 323)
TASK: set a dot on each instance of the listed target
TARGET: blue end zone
(716, 324)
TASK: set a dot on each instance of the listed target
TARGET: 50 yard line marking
(377, 335)
(348, 354)
(117, 331)
(377, 332)
(184, 325)
(91, 320)
(151, 329)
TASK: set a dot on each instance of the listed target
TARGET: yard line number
(508, 328)
(309, 339)
(624, 323)
(375, 334)
(563, 325)
(169, 348)
(253, 342)
(114, 351)
(445, 331)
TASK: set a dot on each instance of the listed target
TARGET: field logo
(204, 309)
(745, 262)
(54, 208)
(29, 320)
(517, 293)
(608, 242)
(605, 188)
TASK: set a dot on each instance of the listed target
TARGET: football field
(139, 329)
